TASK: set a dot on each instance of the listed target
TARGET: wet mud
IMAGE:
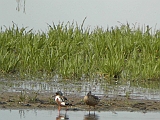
(18, 100)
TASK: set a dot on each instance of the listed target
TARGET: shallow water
(98, 86)
(78, 115)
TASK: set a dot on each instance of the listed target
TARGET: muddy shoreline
(16, 100)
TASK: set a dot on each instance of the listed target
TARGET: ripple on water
(71, 115)
(100, 88)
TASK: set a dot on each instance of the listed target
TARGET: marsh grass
(70, 51)
(22, 96)
(33, 97)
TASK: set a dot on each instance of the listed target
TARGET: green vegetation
(122, 52)
(22, 96)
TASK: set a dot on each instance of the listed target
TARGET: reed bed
(71, 51)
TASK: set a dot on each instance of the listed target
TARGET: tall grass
(71, 51)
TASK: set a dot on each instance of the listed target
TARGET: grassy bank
(71, 51)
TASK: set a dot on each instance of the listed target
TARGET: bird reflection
(62, 117)
(91, 117)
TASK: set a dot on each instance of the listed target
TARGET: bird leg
(66, 110)
(89, 110)
(59, 108)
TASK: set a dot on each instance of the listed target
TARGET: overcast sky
(100, 13)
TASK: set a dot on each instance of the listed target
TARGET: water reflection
(101, 88)
(22, 114)
(62, 117)
(91, 117)
(21, 4)
(80, 115)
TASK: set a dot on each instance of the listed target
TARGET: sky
(101, 13)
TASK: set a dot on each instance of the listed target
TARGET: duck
(91, 100)
(61, 101)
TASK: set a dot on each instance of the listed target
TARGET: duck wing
(63, 98)
(95, 98)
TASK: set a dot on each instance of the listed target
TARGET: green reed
(71, 51)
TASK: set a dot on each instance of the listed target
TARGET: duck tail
(68, 104)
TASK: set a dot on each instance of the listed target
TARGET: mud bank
(14, 100)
